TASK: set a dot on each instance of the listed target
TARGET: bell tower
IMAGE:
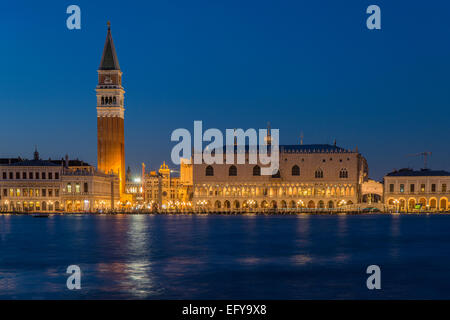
(110, 114)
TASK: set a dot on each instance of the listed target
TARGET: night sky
(305, 66)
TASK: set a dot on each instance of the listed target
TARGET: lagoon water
(225, 257)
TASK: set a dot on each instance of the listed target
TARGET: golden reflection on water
(395, 235)
(139, 271)
(342, 227)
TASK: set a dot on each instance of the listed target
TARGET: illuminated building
(55, 185)
(133, 187)
(425, 190)
(318, 176)
(110, 114)
(164, 191)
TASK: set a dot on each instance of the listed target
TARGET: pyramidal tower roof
(109, 57)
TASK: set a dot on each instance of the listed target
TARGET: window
(433, 187)
(402, 188)
(232, 172)
(422, 188)
(256, 171)
(5, 192)
(4, 175)
(391, 187)
(319, 174)
(56, 192)
(411, 188)
(11, 192)
(444, 188)
(295, 170)
(43, 175)
(85, 187)
(11, 175)
(209, 171)
(50, 192)
(44, 192)
(18, 192)
(24, 175)
(30, 175)
(56, 175)
(69, 188)
(77, 188)
(343, 174)
(37, 175)
(50, 175)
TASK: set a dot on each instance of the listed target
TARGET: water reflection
(395, 235)
(138, 267)
(303, 229)
(201, 257)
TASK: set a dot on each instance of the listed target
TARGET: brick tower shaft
(110, 114)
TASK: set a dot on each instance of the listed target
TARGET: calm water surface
(225, 257)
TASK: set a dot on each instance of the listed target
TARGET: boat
(40, 215)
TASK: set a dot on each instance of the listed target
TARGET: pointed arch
(209, 171)
(319, 173)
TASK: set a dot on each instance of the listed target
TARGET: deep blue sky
(309, 66)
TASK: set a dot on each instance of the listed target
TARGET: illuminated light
(137, 180)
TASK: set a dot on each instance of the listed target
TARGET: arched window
(295, 170)
(343, 174)
(209, 171)
(232, 171)
(114, 100)
(110, 100)
(319, 173)
(256, 171)
(103, 100)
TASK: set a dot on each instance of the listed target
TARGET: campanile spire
(110, 113)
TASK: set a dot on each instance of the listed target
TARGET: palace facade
(55, 185)
(410, 190)
(318, 176)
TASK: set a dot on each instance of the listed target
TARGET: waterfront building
(317, 176)
(55, 185)
(30, 185)
(162, 190)
(410, 190)
(110, 114)
(133, 187)
(89, 190)
(372, 192)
